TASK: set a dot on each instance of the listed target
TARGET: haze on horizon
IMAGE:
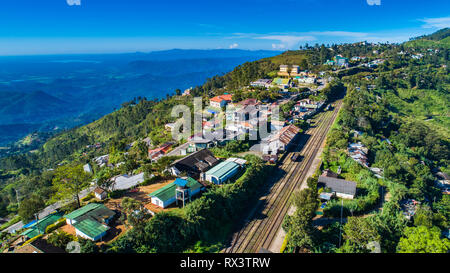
(116, 26)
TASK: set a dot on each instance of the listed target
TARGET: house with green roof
(182, 189)
(39, 227)
(91, 221)
(281, 82)
(222, 172)
(90, 229)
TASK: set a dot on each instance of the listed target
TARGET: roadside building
(295, 70)
(198, 143)
(222, 172)
(36, 228)
(181, 189)
(125, 182)
(276, 125)
(284, 70)
(340, 187)
(147, 141)
(100, 193)
(239, 161)
(102, 160)
(194, 164)
(307, 80)
(281, 83)
(91, 221)
(330, 62)
(281, 140)
(155, 154)
(261, 83)
(220, 101)
(87, 168)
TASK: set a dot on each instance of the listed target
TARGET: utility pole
(340, 226)
(17, 196)
(36, 215)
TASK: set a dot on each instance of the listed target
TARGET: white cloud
(441, 22)
(74, 2)
(339, 34)
(235, 45)
(278, 46)
(286, 41)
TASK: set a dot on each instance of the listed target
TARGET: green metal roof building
(40, 226)
(222, 172)
(90, 221)
(166, 195)
(90, 229)
(93, 211)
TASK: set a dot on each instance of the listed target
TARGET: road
(177, 150)
(260, 227)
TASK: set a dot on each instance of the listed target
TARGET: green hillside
(439, 39)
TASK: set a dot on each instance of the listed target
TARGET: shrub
(61, 222)
(117, 194)
(150, 181)
(88, 197)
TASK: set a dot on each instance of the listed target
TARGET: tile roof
(220, 98)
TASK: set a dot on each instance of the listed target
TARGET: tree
(422, 239)
(301, 230)
(60, 239)
(69, 180)
(29, 207)
(301, 233)
(87, 246)
(359, 232)
(423, 217)
(136, 212)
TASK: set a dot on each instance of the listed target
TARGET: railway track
(273, 207)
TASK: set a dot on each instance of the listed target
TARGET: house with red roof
(220, 101)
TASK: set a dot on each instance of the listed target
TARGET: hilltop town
(339, 155)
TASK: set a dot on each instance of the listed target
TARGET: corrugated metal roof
(83, 210)
(168, 191)
(338, 185)
(91, 228)
(223, 169)
(41, 225)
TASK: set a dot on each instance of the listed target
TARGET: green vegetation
(422, 239)
(399, 108)
(205, 222)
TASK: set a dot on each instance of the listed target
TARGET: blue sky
(102, 26)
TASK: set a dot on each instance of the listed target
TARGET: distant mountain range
(42, 92)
